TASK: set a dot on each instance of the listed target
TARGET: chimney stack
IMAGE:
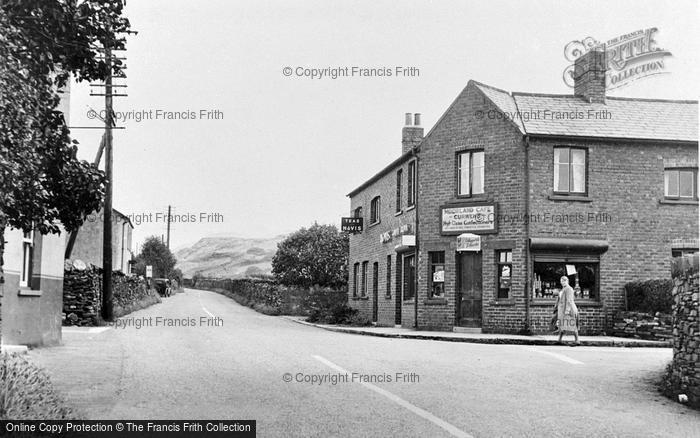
(412, 133)
(589, 76)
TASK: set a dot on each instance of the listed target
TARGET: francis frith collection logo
(629, 57)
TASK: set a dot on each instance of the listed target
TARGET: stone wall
(82, 295)
(630, 324)
(275, 298)
(684, 377)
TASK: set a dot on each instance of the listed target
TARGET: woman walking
(567, 312)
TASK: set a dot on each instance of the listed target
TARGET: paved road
(236, 371)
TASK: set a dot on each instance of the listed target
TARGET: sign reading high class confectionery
(479, 218)
(351, 224)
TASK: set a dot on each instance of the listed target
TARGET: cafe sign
(388, 236)
(468, 242)
(479, 218)
(351, 224)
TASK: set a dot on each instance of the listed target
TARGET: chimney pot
(412, 132)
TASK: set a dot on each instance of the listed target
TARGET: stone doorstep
(10, 349)
(605, 341)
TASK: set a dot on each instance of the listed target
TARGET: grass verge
(26, 392)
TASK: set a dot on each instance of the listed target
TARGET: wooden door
(469, 289)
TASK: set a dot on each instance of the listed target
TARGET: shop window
(363, 292)
(411, 189)
(680, 184)
(399, 178)
(680, 252)
(355, 270)
(569, 171)
(504, 266)
(374, 210)
(583, 277)
(470, 173)
(436, 277)
(25, 279)
(388, 277)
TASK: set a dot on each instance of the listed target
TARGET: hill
(228, 257)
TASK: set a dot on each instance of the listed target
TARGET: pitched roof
(618, 117)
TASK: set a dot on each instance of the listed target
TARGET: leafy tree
(155, 253)
(42, 42)
(317, 255)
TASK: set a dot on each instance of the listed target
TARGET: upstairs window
(375, 210)
(399, 178)
(358, 212)
(470, 173)
(681, 184)
(411, 189)
(569, 171)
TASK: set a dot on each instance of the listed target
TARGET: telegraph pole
(107, 298)
(168, 241)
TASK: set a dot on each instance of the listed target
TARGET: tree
(43, 185)
(155, 253)
(317, 255)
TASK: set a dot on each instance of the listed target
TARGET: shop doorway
(469, 289)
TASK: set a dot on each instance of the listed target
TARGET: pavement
(298, 380)
(484, 338)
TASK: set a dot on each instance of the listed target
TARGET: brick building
(475, 222)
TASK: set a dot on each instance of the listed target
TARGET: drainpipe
(528, 286)
(414, 152)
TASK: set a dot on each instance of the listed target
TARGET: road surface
(236, 367)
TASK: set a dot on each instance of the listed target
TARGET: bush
(650, 296)
(340, 314)
(26, 392)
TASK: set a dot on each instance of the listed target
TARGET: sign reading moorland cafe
(351, 224)
(473, 218)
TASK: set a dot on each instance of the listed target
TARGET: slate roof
(617, 118)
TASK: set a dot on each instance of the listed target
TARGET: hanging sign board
(149, 271)
(468, 242)
(351, 224)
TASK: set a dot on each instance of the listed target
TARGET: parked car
(162, 286)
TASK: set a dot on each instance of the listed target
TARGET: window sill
(365, 297)
(573, 198)
(481, 197)
(387, 297)
(412, 207)
(411, 301)
(435, 302)
(504, 302)
(373, 224)
(398, 213)
(678, 201)
(29, 293)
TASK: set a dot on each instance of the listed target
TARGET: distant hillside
(228, 257)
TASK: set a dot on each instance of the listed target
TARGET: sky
(281, 152)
